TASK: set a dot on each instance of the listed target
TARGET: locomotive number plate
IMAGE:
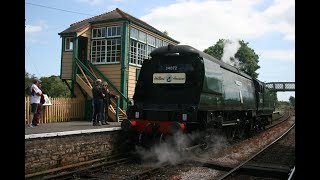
(169, 78)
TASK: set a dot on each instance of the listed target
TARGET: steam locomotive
(182, 89)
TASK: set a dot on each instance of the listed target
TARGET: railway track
(111, 167)
(80, 169)
(263, 164)
(220, 168)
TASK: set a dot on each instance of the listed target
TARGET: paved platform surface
(66, 126)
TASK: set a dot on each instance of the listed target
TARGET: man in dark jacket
(98, 97)
(107, 102)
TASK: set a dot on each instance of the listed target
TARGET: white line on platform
(65, 133)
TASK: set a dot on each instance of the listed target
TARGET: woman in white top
(34, 99)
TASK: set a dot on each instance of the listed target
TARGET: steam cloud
(231, 47)
(172, 152)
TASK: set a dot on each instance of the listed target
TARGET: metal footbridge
(281, 86)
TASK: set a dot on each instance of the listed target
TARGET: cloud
(278, 54)
(92, 2)
(281, 16)
(34, 33)
(202, 23)
(97, 2)
(40, 26)
(33, 29)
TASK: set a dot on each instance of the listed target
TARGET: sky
(267, 25)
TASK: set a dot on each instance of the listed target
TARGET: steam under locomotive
(181, 89)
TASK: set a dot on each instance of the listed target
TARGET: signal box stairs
(85, 81)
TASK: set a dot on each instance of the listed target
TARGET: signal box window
(98, 33)
(68, 44)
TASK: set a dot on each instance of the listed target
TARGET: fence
(61, 110)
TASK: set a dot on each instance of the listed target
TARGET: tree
(216, 50)
(52, 86)
(28, 80)
(282, 105)
(165, 32)
(292, 101)
(248, 59)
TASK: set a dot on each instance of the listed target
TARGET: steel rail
(243, 163)
(76, 165)
(292, 172)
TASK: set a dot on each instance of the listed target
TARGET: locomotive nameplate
(169, 78)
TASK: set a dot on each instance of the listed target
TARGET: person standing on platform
(37, 115)
(98, 102)
(107, 102)
(34, 99)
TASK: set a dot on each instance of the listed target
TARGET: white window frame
(143, 35)
(109, 28)
(151, 41)
(114, 52)
(133, 53)
(103, 62)
(137, 56)
(158, 40)
(142, 40)
(103, 29)
(141, 56)
(132, 32)
(70, 45)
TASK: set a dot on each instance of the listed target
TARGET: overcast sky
(267, 25)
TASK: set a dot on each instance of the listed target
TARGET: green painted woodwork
(85, 69)
(61, 56)
(74, 67)
(124, 64)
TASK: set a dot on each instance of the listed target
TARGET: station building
(111, 46)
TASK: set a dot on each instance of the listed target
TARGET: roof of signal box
(111, 15)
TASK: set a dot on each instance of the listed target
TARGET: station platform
(72, 127)
(60, 144)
